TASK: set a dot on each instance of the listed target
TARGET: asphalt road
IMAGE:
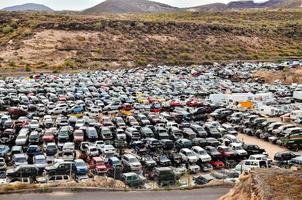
(212, 193)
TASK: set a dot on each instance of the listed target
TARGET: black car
(212, 142)
(61, 168)
(284, 156)
(167, 144)
(175, 158)
(199, 130)
(163, 161)
(253, 149)
(213, 152)
(183, 143)
(202, 142)
(146, 132)
(23, 171)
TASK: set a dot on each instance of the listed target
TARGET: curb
(96, 189)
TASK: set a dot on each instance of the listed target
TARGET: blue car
(40, 162)
(81, 167)
(4, 150)
(33, 150)
(77, 109)
(19, 159)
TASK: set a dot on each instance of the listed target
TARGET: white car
(238, 149)
(131, 162)
(22, 138)
(188, 155)
(247, 165)
(108, 150)
(57, 110)
(93, 151)
(201, 154)
(194, 169)
(34, 124)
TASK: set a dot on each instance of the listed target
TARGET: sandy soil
(271, 149)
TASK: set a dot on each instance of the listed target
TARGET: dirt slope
(267, 184)
(34, 41)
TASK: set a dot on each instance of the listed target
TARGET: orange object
(246, 104)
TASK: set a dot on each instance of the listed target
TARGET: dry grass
(129, 40)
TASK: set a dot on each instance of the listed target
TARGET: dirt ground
(270, 148)
(285, 76)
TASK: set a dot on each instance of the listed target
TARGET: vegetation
(139, 39)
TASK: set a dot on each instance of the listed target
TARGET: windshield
(78, 134)
(100, 162)
(132, 160)
(40, 161)
(82, 164)
(238, 148)
(21, 159)
(202, 152)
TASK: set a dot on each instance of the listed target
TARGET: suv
(23, 171)
(60, 168)
(132, 134)
(131, 163)
(132, 179)
(164, 176)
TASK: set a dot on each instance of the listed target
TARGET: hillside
(38, 41)
(237, 5)
(129, 6)
(29, 7)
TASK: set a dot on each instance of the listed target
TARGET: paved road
(212, 193)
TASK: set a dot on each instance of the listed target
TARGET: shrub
(27, 33)
(27, 68)
(56, 71)
(69, 63)
(98, 26)
(7, 29)
(141, 62)
(186, 56)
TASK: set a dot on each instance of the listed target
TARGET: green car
(292, 141)
(164, 176)
(133, 180)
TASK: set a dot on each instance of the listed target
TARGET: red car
(62, 98)
(217, 164)
(97, 164)
(175, 103)
(48, 136)
(151, 99)
(78, 136)
(156, 107)
(226, 151)
(193, 103)
(17, 112)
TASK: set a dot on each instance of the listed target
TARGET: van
(247, 165)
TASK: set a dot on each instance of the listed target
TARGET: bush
(186, 56)
(7, 29)
(141, 62)
(56, 71)
(27, 33)
(69, 63)
(98, 26)
(27, 68)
